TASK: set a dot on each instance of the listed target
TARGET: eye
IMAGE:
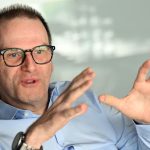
(13, 55)
(39, 51)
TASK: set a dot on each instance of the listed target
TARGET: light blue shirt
(100, 128)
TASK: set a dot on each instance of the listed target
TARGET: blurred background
(111, 36)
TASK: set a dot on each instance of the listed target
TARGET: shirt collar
(7, 111)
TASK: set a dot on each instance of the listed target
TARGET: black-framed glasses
(14, 57)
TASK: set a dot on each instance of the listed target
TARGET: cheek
(7, 77)
(5, 80)
(51, 70)
(48, 72)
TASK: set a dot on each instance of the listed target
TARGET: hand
(61, 112)
(136, 104)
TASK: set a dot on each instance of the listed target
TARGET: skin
(136, 105)
(28, 34)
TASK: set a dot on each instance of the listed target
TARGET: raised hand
(61, 112)
(136, 104)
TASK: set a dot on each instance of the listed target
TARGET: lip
(29, 82)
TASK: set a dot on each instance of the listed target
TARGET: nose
(29, 64)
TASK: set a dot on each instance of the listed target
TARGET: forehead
(22, 32)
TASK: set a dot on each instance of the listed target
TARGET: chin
(31, 96)
(36, 94)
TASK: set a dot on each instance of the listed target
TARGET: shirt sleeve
(143, 132)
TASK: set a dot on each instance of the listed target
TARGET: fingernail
(89, 69)
(78, 108)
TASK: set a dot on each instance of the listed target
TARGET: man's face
(26, 84)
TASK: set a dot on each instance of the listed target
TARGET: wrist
(32, 140)
(27, 147)
(19, 143)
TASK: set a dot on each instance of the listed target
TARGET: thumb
(111, 100)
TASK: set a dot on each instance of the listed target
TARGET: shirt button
(26, 114)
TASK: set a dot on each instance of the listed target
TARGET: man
(62, 115)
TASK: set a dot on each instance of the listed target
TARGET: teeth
(30, 82)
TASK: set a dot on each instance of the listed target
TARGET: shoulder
(88, 97)
(59, 86)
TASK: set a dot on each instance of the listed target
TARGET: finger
(72, 95)
(143, 71)
(84, 76)
(78, 86)
(50, 123)
(65, 116)
(112, 101)
(74, 112)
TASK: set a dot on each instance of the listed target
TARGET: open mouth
(29, 82)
